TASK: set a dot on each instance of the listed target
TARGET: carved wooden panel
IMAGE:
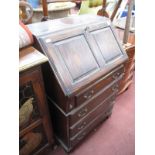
(35, 132)
(28, 112)
(75, 53)
(72, 59)
(107, 44)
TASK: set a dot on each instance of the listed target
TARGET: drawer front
(98, 98)
(79, 137)
(101, 108)
(98, 86)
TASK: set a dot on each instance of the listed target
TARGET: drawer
(101, 108)
(81, 135)
(96, 99)
(88, 93)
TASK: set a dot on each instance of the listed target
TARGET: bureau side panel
(60, 125)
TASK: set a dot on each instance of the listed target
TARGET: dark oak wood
(69, 77)
(101, 108)
(98, 86)
(86, 108)
(37, 129)
(105, 112)
(82, 78)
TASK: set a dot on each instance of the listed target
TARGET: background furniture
(130, 64)
(82, 79)
(25, 12)
(55, 10)
(34, 123)
(128, 41)
(92, 7)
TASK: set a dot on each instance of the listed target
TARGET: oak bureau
(82, 78)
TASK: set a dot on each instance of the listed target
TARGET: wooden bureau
(36, 133)
(82, 78)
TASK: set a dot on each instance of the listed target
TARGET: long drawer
(98, 98)
(100, 108)
(101, 117)
(91, 91)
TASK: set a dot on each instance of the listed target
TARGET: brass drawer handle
(116, 75)
(89, 95)
(82, 136)
(82, 126)
(82, 112)
(115, 88)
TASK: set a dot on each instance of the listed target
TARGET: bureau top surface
(50, 26)
(80, 49)
(30, 57)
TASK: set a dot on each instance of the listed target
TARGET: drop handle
(115, 88)
(82, 112)
(82, 126)
(116, 75)
(82, 136)
(89, 95)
